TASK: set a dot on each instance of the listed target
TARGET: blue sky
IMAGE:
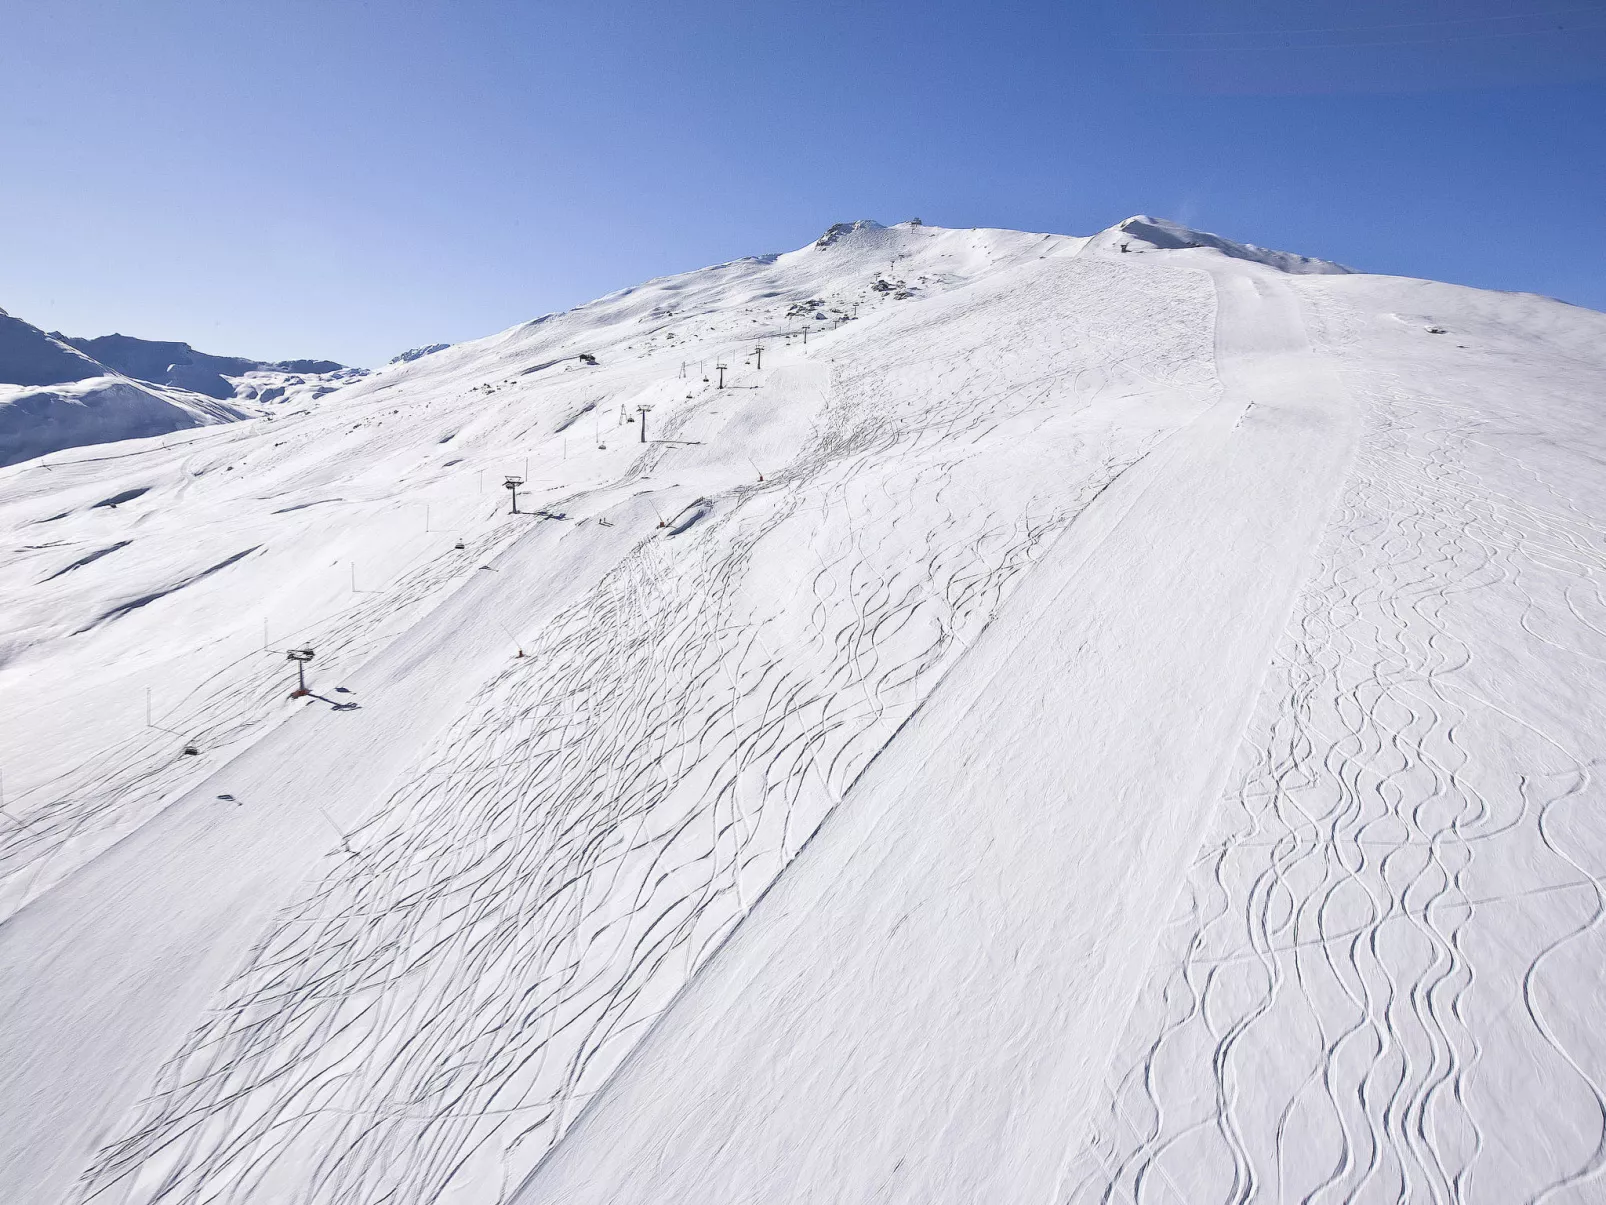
(349, 180)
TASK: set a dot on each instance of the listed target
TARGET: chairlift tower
(720, 368)
(643, 409)
(512, 484)
(758, 353)
(300, 657)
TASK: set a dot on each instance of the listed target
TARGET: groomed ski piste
(1086, 725)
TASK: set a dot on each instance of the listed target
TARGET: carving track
(1381, 980)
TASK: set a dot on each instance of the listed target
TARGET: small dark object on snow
(587, 358)
(1435, 330)
(228, 798)
(191, 751)
(459, 545)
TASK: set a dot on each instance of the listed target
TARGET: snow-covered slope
(1062, 723)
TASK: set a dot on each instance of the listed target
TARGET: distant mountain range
(181, 365)
(57, 391)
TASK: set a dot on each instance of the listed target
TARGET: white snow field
(1085, 726)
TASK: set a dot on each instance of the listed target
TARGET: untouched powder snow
(1084, 726)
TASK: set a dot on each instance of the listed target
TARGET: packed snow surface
(1073, 720)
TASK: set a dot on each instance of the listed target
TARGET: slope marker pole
(516, 642)
(345, 841)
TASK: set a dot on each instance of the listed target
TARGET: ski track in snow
(915, 1012)
(1375, 985)
(423, 1021)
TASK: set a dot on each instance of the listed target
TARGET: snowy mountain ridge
(1158, 234)
(40, 419)
(955, 715)
(949, 257)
